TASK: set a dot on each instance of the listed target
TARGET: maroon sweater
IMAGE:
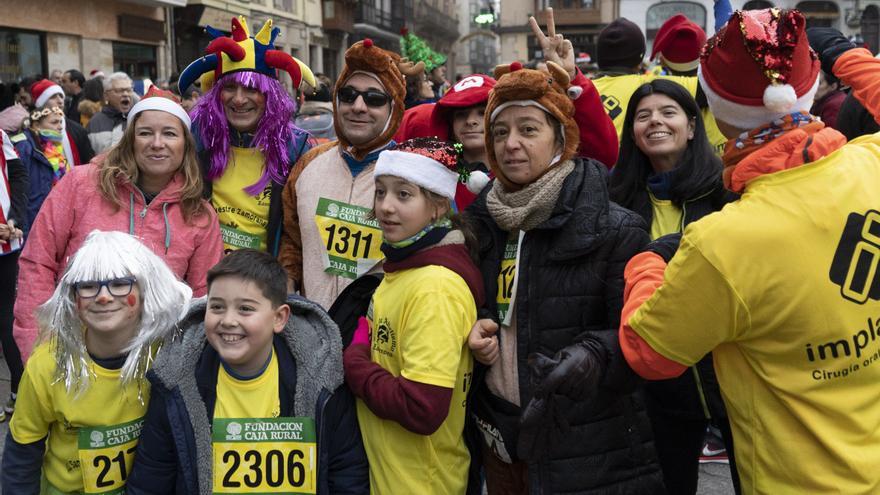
(418, 407)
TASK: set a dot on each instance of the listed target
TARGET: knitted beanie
(620, 44)
(526, 87)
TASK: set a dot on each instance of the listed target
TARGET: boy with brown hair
(252, 396)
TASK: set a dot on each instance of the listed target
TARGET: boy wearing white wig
(83, 394)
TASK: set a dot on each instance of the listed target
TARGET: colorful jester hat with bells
(242, 52)
(251, 62)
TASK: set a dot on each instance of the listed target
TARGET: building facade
(39, 37)
(579, 20)
(436, 21)
(477, 49)
(338, 21)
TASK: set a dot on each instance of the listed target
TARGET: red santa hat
(426, 162)
(44, 89)
(163, 101)
(678, 43)
(759, 67)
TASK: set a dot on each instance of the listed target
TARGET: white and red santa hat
(678, 43)
(44, 89)
(163, 101)
(426, 162)
(759, 67)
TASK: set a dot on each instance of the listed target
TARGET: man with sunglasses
(329, 238)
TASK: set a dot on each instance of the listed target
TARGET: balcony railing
(433, 19)
(392, 21)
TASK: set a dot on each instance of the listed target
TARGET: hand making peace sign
(556, 48)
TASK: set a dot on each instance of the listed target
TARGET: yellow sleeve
(33, 406)
(689, 82)
(694, 311)
(438, 323)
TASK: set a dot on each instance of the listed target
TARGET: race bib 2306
(265, 455)
(106, 454)
(352, 240)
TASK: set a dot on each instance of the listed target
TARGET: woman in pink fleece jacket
(149, 185)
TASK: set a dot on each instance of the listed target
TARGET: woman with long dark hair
(668, 145)
(668, 173)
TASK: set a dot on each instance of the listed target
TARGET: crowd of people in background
(559, 277)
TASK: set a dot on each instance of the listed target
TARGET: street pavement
(714, 478)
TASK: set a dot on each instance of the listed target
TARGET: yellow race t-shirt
(420, 319)
(616, 91)
(254, 449)
(243, 218)
(784, 287)
(254, 398)
(665, 217)
(92, 437)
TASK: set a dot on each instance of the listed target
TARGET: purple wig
(274, 131)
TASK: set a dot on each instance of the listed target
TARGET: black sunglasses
(372, 97)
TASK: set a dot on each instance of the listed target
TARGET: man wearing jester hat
(245, 139)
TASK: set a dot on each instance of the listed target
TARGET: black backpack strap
(353, 303)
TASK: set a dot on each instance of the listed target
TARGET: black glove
(542, 423)
(665, 246)
(574, 372)
(830, 44)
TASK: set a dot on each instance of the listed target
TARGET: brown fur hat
(364, 56)
(551, 89)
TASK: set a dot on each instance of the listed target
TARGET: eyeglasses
(121, 91)
(117, 287)
(372, 97)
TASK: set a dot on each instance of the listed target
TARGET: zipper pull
(144, 212)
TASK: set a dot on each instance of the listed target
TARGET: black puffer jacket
(570, 289)
(695, 394)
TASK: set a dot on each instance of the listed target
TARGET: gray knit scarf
(530, 206)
